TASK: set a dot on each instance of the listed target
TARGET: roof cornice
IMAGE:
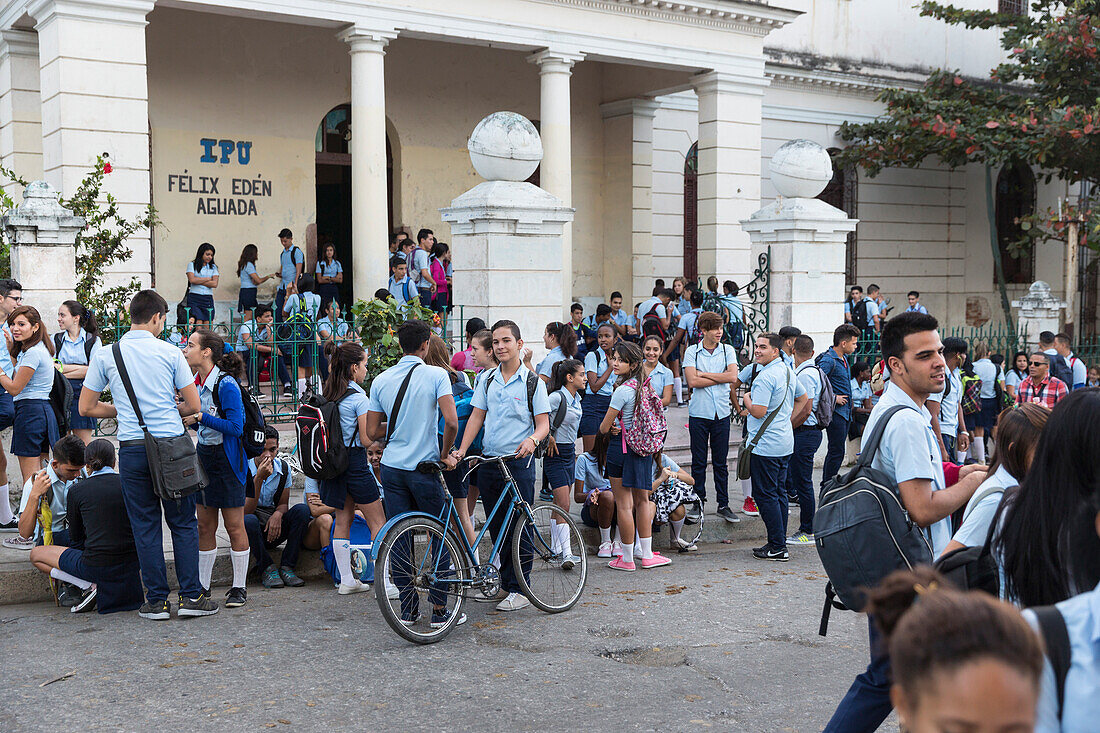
(744, 16)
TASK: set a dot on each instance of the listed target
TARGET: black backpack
(859, 315)
(321, 447)
(89, 344)
(253, 438)
(61, 400)
(1061, 369)
(1052, 627)
(862, 530)
(973, 568)
(651, 324)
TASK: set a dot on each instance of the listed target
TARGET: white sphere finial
(505, 146)
(801, 169)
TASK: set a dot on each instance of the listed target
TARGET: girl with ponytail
(76, 341)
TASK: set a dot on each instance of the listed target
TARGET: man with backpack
(834, 365)
(808, 424)
(292, 262)
(861, 312)
(908, 456)
(654, 313)
(1075, 374)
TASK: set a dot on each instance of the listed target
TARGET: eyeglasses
(1038, 363)
(17, 300)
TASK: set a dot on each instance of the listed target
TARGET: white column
(729, 170)
(556, 176)
(95, 100)
(369, 195)
(20, 107)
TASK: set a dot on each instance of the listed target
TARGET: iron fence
(754, 317)
(1000, 338)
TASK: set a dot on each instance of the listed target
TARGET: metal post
(1071, 275)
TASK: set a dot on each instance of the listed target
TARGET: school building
(344, 120)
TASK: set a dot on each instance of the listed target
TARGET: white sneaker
(513, 602)
(18, 543)
(617, 549)
(359, 587)
(682, 545)
(605, 550)
(391, 591)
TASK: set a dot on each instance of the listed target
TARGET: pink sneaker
(618, 564)
(656, 561)
(605, 550)
(616, 549)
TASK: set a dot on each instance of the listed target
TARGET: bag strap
(532, 385)
(981, 496)
(771, 415)
(559, 416)
(391, 425)
(868, 453)
(120, 364)
(57, 343)
(1052, 626)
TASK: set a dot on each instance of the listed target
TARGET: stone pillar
(95, 100)
(508, 234)
(556, 123)
(20, 106)
(1038, 311)
(807, 239)
(369, 192)
(729, 170)
(42, 234)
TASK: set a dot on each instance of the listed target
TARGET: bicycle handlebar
(430, 467)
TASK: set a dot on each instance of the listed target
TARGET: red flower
(107, 168)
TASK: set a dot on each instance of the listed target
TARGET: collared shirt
(58, 502)
(980, 510)
(255, 331)
(810, 379)
(269, 489)
(860, 392)
(1080, 371)
(681, 306)
(339, 329)
(659, 378)
(309, 304)
(207, 434)
(787, 358)
(596, 362)
(288, 261)
(1081, 707)
(588, 473)
(872, 308)
(734, 307)
(918, 308)
(72, 352)
(546, 366)
(329, 270)
(687, 324)
(422, 260)
(5, 355)
(205, 271)
(402, 290)
(1013, 378)
(713, 402)
(37, 358)
(776, 387)
(508, 420)
(949, 403)
(415, 437)
(988, 372)
(246, 274)
(1046, 392)
(157, 370)
(666, 462)
(621, 317)
(835, 367)
(570, 425)
(910, 451)
(653, 304)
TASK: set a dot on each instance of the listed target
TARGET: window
(691, 213)
(1012, 7)
(1015, 199)
(841, 193)
(334, 132)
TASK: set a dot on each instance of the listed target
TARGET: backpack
(532, 384)
(694, 335)
(1052, 627)
(646, 434)
(463, 395)
(321, 445)
(1004, 399)
(862, 530)
(89, 344)
(973, 568)
(1061, 369)
(859, 315)
(651, 324)
(252, 439)
(972, 395)
(826, 402)
(61, 400)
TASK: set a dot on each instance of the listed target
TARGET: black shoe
(68, 595)
(201, 606)
(156, 611)
(792, 499)
(236, 597)
(87, 601)
(12, 526)
(767, 553)
(290, 578)
(727, 514)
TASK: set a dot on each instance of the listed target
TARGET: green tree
(378, 320)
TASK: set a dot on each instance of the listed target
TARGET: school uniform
(157, 370)
(7, 404)
(220, 449)
(252, 356)
(402, 290)
(329, 291)
(304, 308)
(990, 374)
(546, 366)
(289, 259)
(594, 404)
(622, 462)
(246, 298)
(950, 400)
(687, 325)
(590, 474)
(74, 351)
(356, 481)
(807, 439)
(559, 468)
(200, 298)
(659, 378)
(441, 299)
(59, 502)
(709, 419)
(292, 527)
(458, 484)
(834, 366)
(35, 429)
(508, 422)
(421, 260)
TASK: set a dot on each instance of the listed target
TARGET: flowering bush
(378, 320)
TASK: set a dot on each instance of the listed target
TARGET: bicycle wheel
(549, 583)
(429, 568)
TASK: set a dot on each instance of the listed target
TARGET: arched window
(842, 193)
(334, 132)
(691, 213)
(1015, 199)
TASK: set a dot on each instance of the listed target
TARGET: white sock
(605, 534)
(206, 566)
(979, 450)
(628, 553)
(618, 537)
(746, 488)
(637, 543)
(240, 567)
(60, 574)
(341, 550)
(647, 547)
(6, 514)
(495, 562)
(301, 385)
(677, 525)
(678, 389)
(565, 543)
(555, 538)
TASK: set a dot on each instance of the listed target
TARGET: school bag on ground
(61, 400)
(252, 438)
(973, 568)
(463, 395)
(321, 445)
(862, 531)
(972, 395)
(646, 435)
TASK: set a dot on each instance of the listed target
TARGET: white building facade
(346, 120)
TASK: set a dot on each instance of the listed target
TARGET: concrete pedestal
(1038, 311)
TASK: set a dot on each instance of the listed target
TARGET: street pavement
(716, 640)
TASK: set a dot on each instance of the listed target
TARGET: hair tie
(923, 591)
(226, 348)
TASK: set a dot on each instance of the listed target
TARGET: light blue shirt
(1081, 708)
(666, 462)
(653, 304)
(324, 268)
(252, 329)
(860, 392)
(596, 362)
(624, 399)
(416, 436)
(1012, 379)
(659, 378)
(810, 379)
(269, 489)
(72, 352)
(307, 303)
(980, 510)
(687, 323)
(949, 405)
(508, 421)
(421, 261)
(5, 355)
(735, 308)
(339, 329)
(1080, 371)
(351, 408)
(207, 434)
(621, 317)
(157, 370)
(247, 272)
(987, 372)
(872, 309)
(588, 473)
(713, 402)
(910, 451)
(918, 308)
(58, 503)
(772, 388)
(571, 423)
(206, 271)
(37, 358)
(400, 288)
(288, 261)
(547, 364)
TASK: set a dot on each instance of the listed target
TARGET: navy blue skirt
(223, 490)
(35, 429)
(357, 482)
(76, 420)
(559, 469)
(635, 471)
(202, 306)
(246, 300)
(593, 409)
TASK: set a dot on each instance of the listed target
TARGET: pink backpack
(646, 435)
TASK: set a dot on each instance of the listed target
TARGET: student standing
(620, 318)
(157, 371)
(75, 343)
(601, 384)
(421, 267)
(947, 417)
(292, 262)
(711, 370)
(35, 428)
(463, 361)
(438, 266)
(220, 425)
(659, 376)
(330, 274)
(915, 305)
(990, 405)
(566, 384)
(202, 279)
(250, 280)
(401, 286)
(687, 334)
(561, 342)
(512, 426)
(11, 297)
(807, 439)
(834, 364)
(301, 311)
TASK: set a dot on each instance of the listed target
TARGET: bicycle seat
(431, 467)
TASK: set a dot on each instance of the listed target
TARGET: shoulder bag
(744, 456)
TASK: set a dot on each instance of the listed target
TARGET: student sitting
(100, 558)
(592, 489)
(671, 493)
(268, 519)
(50, 488)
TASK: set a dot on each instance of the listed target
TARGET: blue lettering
(208, 148)
(227, 147)
(244, 152)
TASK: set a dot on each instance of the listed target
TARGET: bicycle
(433, 564)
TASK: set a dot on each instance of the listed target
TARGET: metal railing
(755, 296)
(999, 337)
